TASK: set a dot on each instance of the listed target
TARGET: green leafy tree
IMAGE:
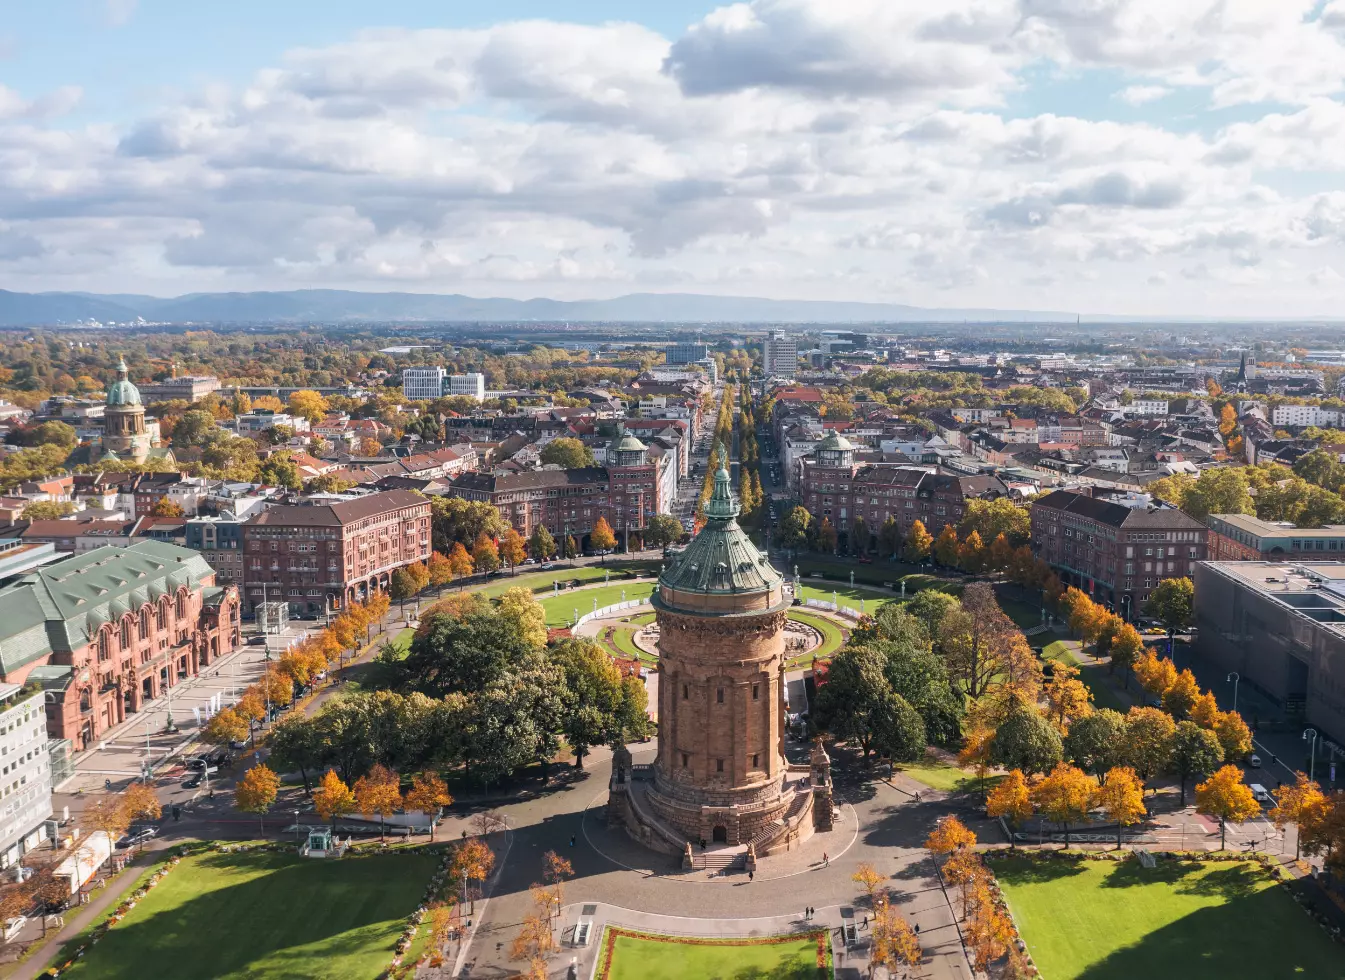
(991, 518)
(48, 510)
(194, 428)
(1172, 603)
(1026, 740)
(1195, 753)
(858, 705)
(1096, 742)
(541, 543)
(889, 537)
(919, 543)
(296, 745)
(1148, 741)
(931, 607)
(52, 433)
(593, 710)
(794, 528)
(280, 470)
(463, 653)
(664, 530)
(567, 453)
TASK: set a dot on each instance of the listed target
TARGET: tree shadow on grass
(295, 919)
(1023, 871)
(1129, 874)
(1260, 936)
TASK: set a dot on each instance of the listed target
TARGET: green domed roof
(835, 442)
(121, 393)
(721, 560)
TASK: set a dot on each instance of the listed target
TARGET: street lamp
(1234, 677)
(1312, 764)
(296, 826)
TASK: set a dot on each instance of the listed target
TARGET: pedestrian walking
(572, 837)
(866, 922)
(917, 928)
(826, 861)
(751, 876)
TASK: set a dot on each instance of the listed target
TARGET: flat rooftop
(1314, 590)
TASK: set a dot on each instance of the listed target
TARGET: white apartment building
(25, 772)
(1305, 415)
(472, 385)
(780, 358)
(1146, 407)
(423, 383)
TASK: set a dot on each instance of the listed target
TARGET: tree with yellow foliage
(308, 405)
(1069, 698)
(894, 942)
(1012, 800)
(975, 752)
(971, 554)
(1303, 804)
(1121, 798)
(333, 798)
(1181, 695)
(256, 792)
(602, 539)
(869, 877)
(513, 549)
(1226, 797)
(459, 561)
(946, 548)
(1234, 735)
(1204, 710)
(918, 544)
(379, 792)
(428, 794)
(1125, 650)
(1064, 796)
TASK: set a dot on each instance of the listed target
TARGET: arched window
(181, 610)
(104, 644)
(126, 632)
(144, 622)
(161, 615)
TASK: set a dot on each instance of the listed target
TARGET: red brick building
(322, 556)
(832, 486)
(107, 630)
(1115, 552)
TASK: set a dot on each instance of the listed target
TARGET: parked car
(256, 641)
(134, 838)
(194, 780)
(1254, 761)
(547, 566)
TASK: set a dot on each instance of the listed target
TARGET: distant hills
(342, 306)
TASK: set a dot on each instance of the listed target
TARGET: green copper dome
(122, 394)
(721, 560)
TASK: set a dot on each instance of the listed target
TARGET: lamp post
(1234, 677)
(296, 826)
(1312, 764)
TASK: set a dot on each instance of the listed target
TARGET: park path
(75, 923)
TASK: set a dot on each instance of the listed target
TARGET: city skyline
(1133, 158)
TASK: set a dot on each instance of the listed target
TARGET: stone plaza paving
(620, 883)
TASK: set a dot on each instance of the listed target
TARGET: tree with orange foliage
(1303, 804)
(428, 794)
(971, 556)
(975, 751)
(869, 877)
(1181, 695)
(1125, 650)
(513, 549)
(1012, 800)
(256, 792)
(894, 943)
(459, 561)
(1226, 797)
(440, 569)
(989, 930)
(948, 835)
(1204, 710)
(379, 791)
(1234, 735)
(472, 861)
(602, 539)
(946, 547)
(1121, 798)
(333, 798)
(1065, 796)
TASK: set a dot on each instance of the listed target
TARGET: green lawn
(560, 609)
(623, 638)
(1098, 920)
(541, 581)
(667, 958)
(1093, 675)
(264, 916)
(846, 595)
(832, 637)
(937, 774)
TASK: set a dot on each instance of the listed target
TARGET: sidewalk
(76, 922)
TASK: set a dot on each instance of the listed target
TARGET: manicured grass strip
(265, 916)
(846, 595)
(832, 637)
(560, 609)
(623, 638)
(630, 955)
(541, 581)
(1102, 920)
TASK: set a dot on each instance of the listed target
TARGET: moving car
(194, 780)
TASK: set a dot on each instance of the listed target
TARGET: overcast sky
(1104, 156)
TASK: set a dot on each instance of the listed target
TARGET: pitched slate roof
(721, 559)
(59, 608)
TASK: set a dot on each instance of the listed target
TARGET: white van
(1261, 795)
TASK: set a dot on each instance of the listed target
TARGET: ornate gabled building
(105, 631)
(721, 774)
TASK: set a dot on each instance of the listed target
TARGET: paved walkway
(886, 830)
(76, 920)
